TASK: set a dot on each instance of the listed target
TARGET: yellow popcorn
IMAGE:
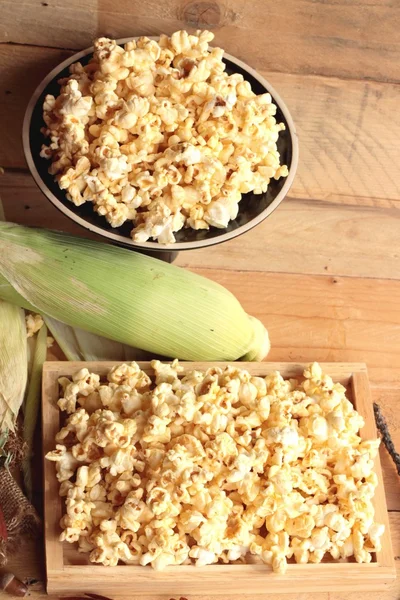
(66, 463)
(169, 108)
(213, 466)
(33, 324)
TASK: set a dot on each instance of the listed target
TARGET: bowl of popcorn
(160, 143)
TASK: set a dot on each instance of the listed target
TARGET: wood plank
(302, 236)
(246, 577)
(347, 136)
(334, 38)
(313, 237)
(21, 70)
(52, 23)
(347, 130)
(391, 479)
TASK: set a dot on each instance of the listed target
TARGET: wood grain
(302, 36)
(21, 70)
(347, 129)
(51, 23)
(313, 237)
(302, 236)
(321, 56)
(296, 36)
(65, 575)
(346, 136)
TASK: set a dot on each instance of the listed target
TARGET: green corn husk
(76, 343)
(32, 402)
(13, 363)
(9, 294)
(127, 297)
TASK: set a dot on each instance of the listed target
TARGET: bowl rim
(156, 246)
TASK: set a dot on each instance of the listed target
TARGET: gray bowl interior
(250, 206)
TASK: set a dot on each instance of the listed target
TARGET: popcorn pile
(213, 466)
(156, 133)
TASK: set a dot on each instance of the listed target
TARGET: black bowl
(253, 208)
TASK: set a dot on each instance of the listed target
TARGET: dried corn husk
(13, 363)
(32, 404)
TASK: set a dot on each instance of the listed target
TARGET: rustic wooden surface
(323, 272)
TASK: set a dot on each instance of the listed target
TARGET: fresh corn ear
(127, 297)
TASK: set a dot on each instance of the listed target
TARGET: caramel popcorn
(214, 466)
(158, 134)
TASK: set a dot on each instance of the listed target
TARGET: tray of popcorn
(206, 479)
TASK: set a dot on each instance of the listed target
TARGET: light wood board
(331, 38)
(67, 574)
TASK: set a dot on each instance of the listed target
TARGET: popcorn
(138, 121)
(201, 467)
(33, 324)
(66, 463)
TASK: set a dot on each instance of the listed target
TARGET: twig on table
(386, 437)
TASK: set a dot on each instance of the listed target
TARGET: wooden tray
(69, 572)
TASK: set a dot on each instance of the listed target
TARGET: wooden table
(323, 272)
